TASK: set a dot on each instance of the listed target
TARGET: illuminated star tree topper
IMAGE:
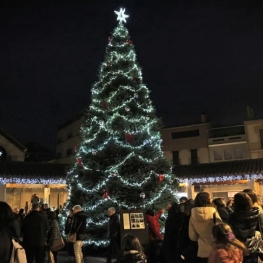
(121, 15)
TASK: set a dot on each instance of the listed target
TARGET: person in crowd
(254, 198)
(221, 208)
(176, 243)
(58, 210)
(188, 247)
(20, 216)
(132, 251)
(79, 227)
(113, 233)
(16, 211)
(9, 227)
(154, 232)
(243, 221)
(53, 233)
(169, 205)
(34, 199)
(226, 248)
(26, 208)
(203, 217)
(183, 199)
(34, 229)
(230, 206)
(46, 209)
(67, 231)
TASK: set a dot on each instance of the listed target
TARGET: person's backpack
(18, 254)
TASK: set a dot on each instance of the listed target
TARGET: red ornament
(105, 194)
(129, 42)
(128, 137)
(160, 178)
(104, 105)
(79, 162)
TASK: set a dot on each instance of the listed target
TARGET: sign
(133, 221)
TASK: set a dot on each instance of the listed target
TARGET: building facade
(68, 139)
(204, 158)
(19, 180)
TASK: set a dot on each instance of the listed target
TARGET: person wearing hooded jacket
(244, 222)
(203, 217)
(79, 227)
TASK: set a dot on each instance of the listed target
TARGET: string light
(5, 180)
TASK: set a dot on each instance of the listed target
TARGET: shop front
(19, 181)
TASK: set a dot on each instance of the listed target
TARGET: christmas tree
(119, 162)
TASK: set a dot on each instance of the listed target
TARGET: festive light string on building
(225, 178)
(6, 180)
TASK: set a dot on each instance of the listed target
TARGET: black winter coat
(133, 256)
(34, 228)
(223, 213)
(12, 229)
(176, 237)
(245, 223)
(79, 225)
(114, 226)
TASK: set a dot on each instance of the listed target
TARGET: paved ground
(63, 256)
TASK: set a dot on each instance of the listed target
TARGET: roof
(12, 140)
(32, 173)
(220, 171)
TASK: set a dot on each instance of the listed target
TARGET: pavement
(63, 258)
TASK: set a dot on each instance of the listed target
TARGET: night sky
(197, 56)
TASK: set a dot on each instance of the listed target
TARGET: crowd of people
(209, 231)
(196, 231)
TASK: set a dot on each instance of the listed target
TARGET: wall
(253, 137)
(228, 147)
(13, 151)
(64, 143)
(185, 145)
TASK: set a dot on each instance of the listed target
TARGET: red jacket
(221, 255)
(154, 226)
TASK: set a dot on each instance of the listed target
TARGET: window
(194, 157)
(69, 151)
(261, 137)
(185, 134)
(217, 155)
(228, 154)
(238, 153)
(176, 159)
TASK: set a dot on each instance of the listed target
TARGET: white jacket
(200, 228)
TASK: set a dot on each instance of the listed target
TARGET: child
(132, 251)
(227, 249)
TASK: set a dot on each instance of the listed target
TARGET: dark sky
(197, 56)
